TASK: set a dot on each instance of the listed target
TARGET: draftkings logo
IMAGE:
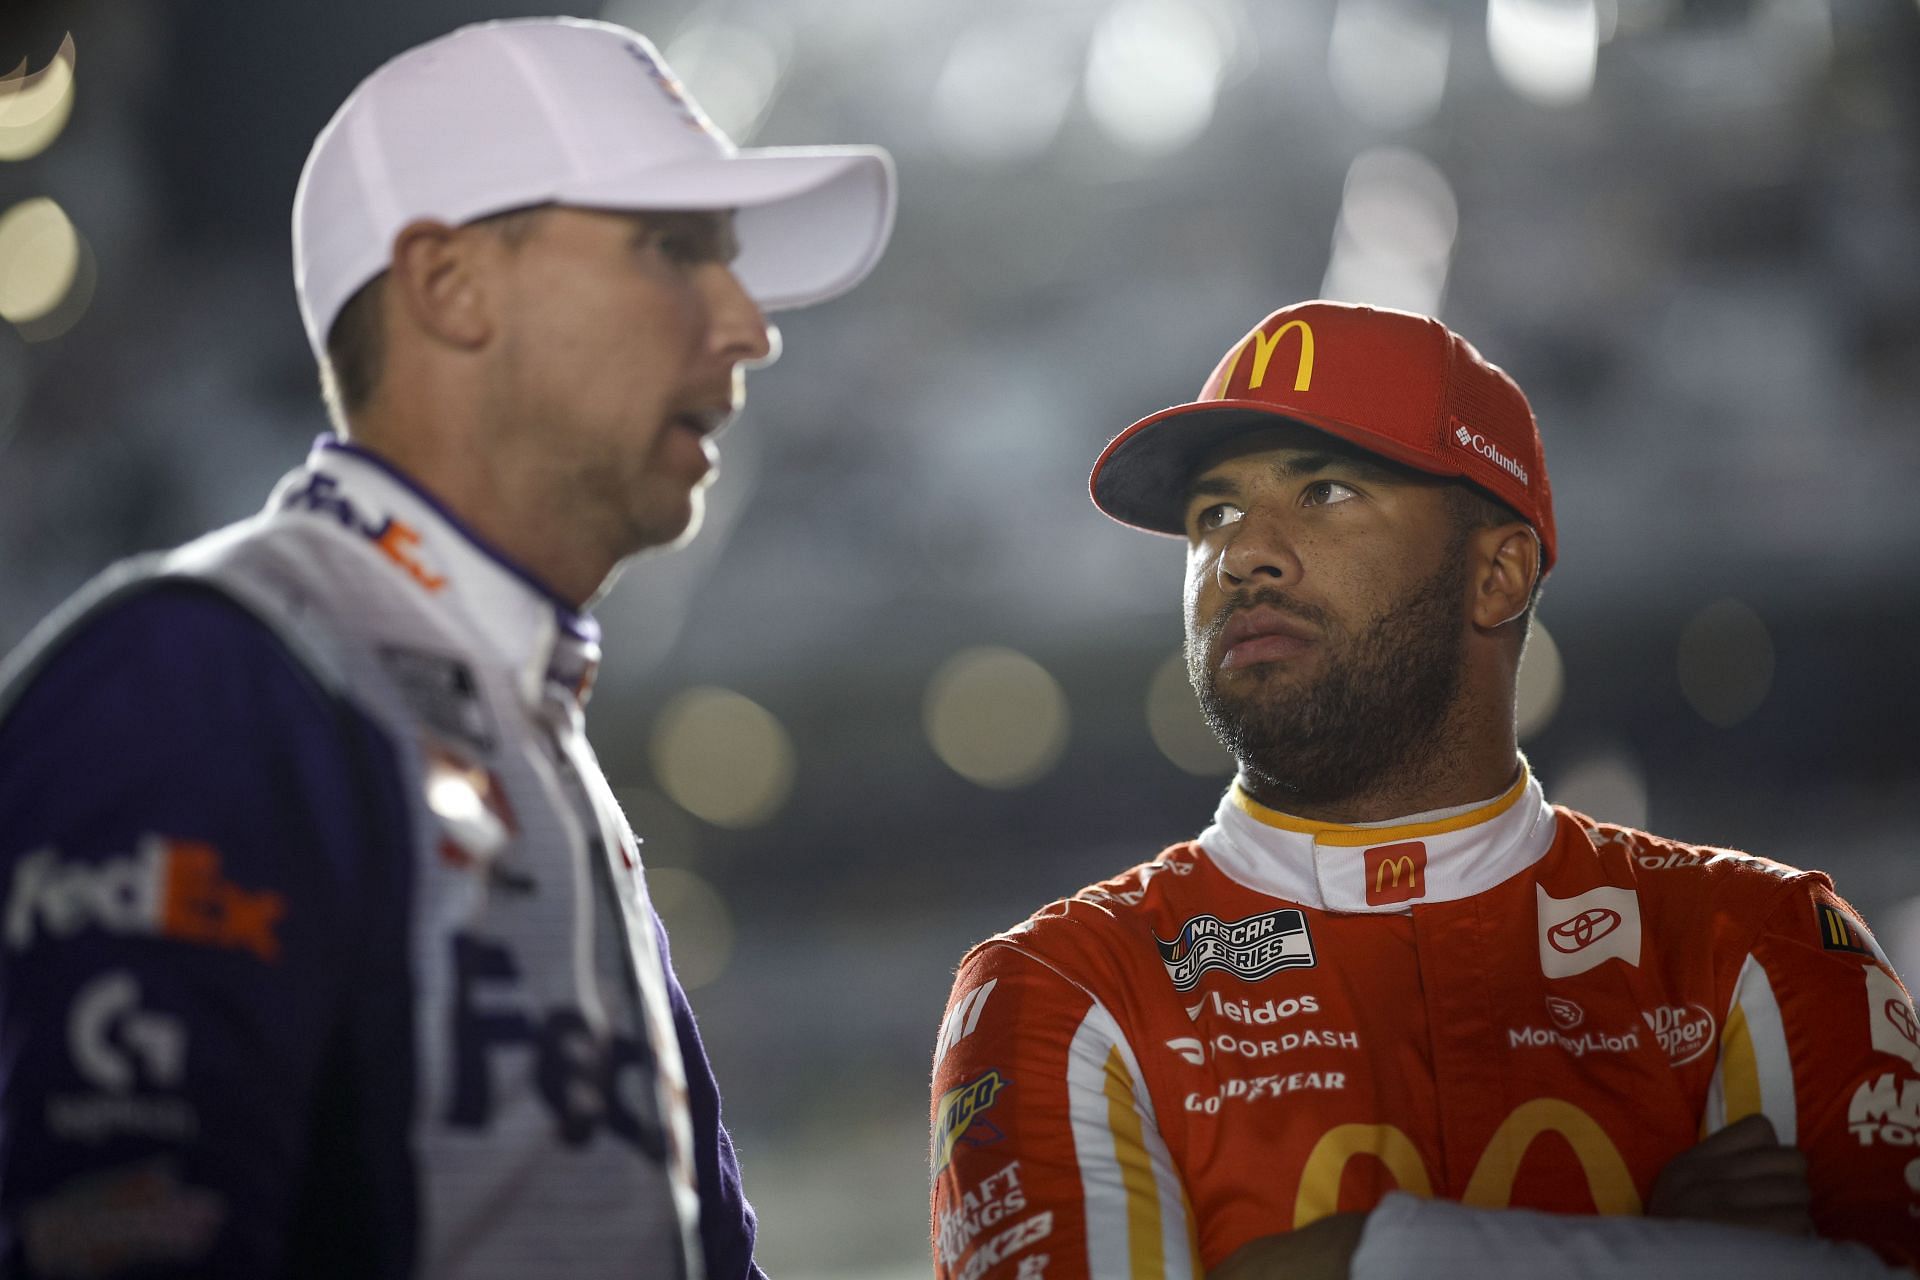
(1249, 949)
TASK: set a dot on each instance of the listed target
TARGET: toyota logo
(1902, 1019)
(1583, 930)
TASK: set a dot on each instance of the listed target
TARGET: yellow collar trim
(1346, 834)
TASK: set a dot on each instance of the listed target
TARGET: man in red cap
(1393, 1013)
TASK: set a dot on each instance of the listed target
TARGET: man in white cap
(324, 946)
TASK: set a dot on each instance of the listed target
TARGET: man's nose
(740, 330)
(1260, 550)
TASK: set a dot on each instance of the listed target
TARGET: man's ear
(439, 282)
(1505, 563)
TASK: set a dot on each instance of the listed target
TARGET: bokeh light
(1393, 243)
(1546, 50)
(1609, 785)
(722, 757)
(1153, 72)
(996, 717)
(35, 107)
(1388, 60)
(39, 258)
(699, 924)
(1540, 685)
(1178, 728)
(1726, 662)
(1005, 89)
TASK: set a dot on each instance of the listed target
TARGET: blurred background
(908, 685)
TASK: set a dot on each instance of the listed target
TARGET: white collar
(1381, 867)
(504, 614)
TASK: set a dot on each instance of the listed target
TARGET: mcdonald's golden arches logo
(1609, 1181)
(1395, 872)
(1264, 345)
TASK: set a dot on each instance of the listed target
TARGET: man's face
(623, 337)
(1325, 610)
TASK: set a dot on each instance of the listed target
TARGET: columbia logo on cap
(1463, 435)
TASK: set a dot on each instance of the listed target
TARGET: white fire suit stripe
(1138, 1224)
(1754, 1072)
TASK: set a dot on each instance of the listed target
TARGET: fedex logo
(585, 1080)
(168, 889)
(393, 538)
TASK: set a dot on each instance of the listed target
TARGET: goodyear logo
(960, 1110)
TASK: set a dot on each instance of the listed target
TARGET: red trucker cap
(1401, 385)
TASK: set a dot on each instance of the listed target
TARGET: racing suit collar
(503, 610)
(1381, 866)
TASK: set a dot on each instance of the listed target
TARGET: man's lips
(1263, 634)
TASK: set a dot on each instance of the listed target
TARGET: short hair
(356, 343)
(1473, 508)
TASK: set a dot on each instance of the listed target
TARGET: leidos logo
(1264, 345)
(168, 889)
(1475, 442)
(1396, 872)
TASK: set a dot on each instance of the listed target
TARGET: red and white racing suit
(1507, 1005)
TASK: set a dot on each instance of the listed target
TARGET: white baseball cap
(502, 115)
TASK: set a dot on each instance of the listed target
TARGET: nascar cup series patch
(1249, 949)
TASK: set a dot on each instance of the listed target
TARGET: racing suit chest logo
(1250, 949)
(585, 1079)
(1395, 872)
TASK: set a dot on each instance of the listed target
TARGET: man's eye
(1217, 516)
(1326, 492)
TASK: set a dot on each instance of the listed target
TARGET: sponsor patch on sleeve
(1841, 932)
(1890, 1015)
(958, 1117)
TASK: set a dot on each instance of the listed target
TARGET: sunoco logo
(1250, 949)
(1474, 441)
(1684, 1032)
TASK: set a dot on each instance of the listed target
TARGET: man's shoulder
(1119, 918)
(1684, 888)
(1661, 862)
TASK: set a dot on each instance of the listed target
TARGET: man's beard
(1379, 707)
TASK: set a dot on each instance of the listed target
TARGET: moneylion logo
(1250, 949)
